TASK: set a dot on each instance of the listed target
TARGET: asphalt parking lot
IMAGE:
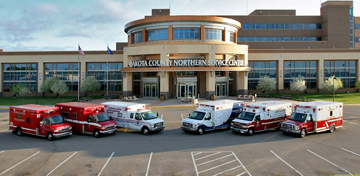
(175, 153)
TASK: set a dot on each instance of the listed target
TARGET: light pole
(334, 88)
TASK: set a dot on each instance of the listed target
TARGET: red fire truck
(87, 118)
(38, 120)
(314, 117)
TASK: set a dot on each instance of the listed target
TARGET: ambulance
(314, 117)
(134, 116)
(261, 116)
(87, 118)
(211, 115)
(38, 120)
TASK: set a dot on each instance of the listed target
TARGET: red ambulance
(87, 118)
(38, 120)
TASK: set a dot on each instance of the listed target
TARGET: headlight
(232, 124)
(70, 128)
(296, 127)
(102, 128)
(56, 131)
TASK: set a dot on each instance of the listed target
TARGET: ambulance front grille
(65, 129)
(158, 125)
(187, 125)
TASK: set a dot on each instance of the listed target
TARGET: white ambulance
(133, 116)
(211, 116)
(261, 116)
(314, 117)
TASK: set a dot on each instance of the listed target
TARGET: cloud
(73, 33)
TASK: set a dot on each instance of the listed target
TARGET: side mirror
(89, 120)
(42, 123)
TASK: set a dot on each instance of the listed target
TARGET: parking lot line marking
(61, 164)
(197, 153)
(286, 163)
(148, 167)
(20, 163)
(207, 156)
(214, 160)
(217, 166)
(241, 163)
(192, 156)
(342, 149)
(241, 174)
(106, 163)
(329, 161)
(182, 117)
(227, 170)
(354, 123)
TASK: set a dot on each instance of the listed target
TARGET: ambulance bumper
(59, 135)
(239, 130)
(188, 128)
(108, 131)
(290, 131)
(157, 128)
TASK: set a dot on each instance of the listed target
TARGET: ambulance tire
(145, 131)
(332, 128)
(50, 136)
(19, 131)
(303, 133)
(250, 132)
(200, 130)
(96, 133)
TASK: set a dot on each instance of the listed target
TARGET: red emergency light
(307, 106)
(254, 110)
(207, 105)
(217, 108)
(127, 109)
(314, 109)
(248, 106)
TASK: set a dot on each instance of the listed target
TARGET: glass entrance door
(185, 90)
(221, 89)
(150, 90)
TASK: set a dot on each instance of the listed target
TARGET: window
(25, 74)
(282, 26)
(74, 115)
(213, 34)
(331, 113)
(158, 34)
(138, 37)
(277, 39)
(344, 70)
(260, 69)
(186, 34)
(90, 119)
(114, 75)
(232, 37)
(65, 114)
(120, 115)
(28, 120)
(131, 115)
(110, 111)
(18, 116)
(67, 72)
(306, 69)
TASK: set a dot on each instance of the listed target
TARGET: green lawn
(9, 101)
(350, 98)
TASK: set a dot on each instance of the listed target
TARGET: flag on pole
(81, 52)
(109, 50)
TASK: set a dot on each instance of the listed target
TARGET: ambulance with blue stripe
(212, 115)
(134, 116)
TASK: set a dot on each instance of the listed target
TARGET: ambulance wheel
(332, 128)
(50, 136)
(19, 131)
(96, 133)
(200, 130)
(303, 133)
(250, 132)
(145, 131)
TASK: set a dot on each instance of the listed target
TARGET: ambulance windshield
(101, 117)
(248, 116)
(148, 115)
(298, 117)
(197, 115)
(55, 120)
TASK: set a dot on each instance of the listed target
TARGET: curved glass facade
(186, 34)
(344, 70)
(306, 69)
(138, 37)
(161, 34)
(213, 34)
(261, 69)
(25, 74)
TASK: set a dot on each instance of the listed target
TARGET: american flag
(81, 52)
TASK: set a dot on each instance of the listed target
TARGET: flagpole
(79, 76)
(107, 70)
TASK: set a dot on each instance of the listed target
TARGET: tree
(298, 84)
(19, 89)
(46, 86)
(59, 88)
(266, 84)
(357, 84)
(90, 84)
(332, 83)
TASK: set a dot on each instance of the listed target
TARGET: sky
(60, 25)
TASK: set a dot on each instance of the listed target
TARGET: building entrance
(186, 87)
(221, 89)
(150, 90)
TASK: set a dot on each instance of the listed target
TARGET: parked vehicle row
(84, 118)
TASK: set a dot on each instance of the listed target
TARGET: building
(183, 56)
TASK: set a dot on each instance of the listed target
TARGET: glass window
(114, 75)
(138, 37)
(186, 34)
(213, 34)
(161, 34)
(67, 72)
(260, 69)
(25, 74)
(344, 70)
(307, 69)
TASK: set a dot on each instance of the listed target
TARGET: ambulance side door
(88, 126)
(310, 123)
(258, 122)
(43, 124)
